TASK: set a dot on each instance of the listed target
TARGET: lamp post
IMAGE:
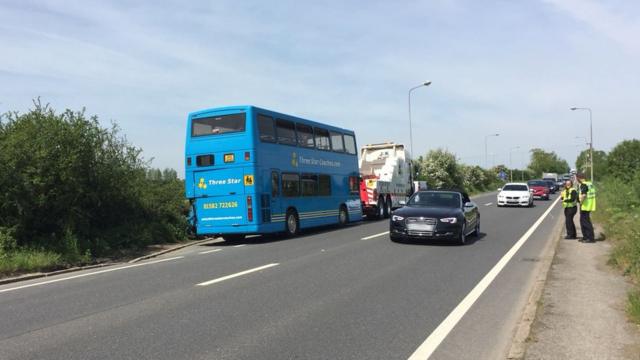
(510, 166)
(486, 154)
(590, 134)
(427, 83)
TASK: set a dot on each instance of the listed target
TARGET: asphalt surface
(324, 295)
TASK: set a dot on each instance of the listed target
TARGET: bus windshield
(215, 125)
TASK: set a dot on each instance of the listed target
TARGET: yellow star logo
(202, 184)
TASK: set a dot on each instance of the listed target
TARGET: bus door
(277, 214)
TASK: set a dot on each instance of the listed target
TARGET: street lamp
(590, 134)
(486, 154)
(427, 83)
(511, 167)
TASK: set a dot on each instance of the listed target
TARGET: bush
(74, 188)
(624, 160)
(440, 170)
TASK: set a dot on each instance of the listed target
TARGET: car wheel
(292, 223)
(476, 232)
(462, 238)
(343, 216)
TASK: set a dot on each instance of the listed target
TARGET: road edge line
(439, 334)
(518, 347)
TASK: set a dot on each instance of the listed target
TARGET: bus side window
(353, 185)
(290, 185)
(324, 185)
(275, 184)
(336, 142)
(322, 139)
(286, 131)
(350, 144)
(266, 129)
(309, 184)
(305, 135)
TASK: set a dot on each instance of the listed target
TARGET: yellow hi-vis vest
(589, 202)
(566, 194)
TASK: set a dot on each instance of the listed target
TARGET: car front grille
(421, 220)
(513, 197)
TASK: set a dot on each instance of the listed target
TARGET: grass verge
(618, 211)
(29, 260)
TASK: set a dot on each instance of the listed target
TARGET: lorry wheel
(389, 206)
(380, 208)
(385, 212)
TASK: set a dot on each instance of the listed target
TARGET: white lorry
(385, 171)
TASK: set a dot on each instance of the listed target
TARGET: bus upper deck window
(266, 128)
(286, 132)
(322, 139)
(350, 144)
(336, 142)
(305, 135)
(216, 125)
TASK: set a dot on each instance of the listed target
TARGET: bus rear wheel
(292, 223)
(343, 216)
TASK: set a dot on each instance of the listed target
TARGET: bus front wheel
(292, 223)
(343, 216)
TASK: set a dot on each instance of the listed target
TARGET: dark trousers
(587, 227)
(569, 214)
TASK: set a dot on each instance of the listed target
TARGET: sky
(508, 67)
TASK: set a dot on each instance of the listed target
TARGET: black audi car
(436, 214)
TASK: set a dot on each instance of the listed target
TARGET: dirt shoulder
(581, 314)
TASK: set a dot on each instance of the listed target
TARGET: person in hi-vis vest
(570, 205)
(587, 206)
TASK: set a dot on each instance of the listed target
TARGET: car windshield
(515, 188)
(435, 199)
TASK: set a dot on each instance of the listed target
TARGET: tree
(600, 165)
(624, 159)
(440, 169)
(543, 161)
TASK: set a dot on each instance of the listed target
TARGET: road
(327, 294)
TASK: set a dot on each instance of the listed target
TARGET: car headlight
(525, 197)
(397, 218)
(450, 220)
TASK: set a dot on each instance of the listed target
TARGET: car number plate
(420, 227)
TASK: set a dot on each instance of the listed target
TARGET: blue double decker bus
(254, 171)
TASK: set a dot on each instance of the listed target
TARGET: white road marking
(241, 245)
(488, 204)
(89, 274)
(206, 283)
(209, 251)
(426, 349)
(375, 235)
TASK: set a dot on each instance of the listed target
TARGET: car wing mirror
(402, 203)
(469, 204)
(499, 189)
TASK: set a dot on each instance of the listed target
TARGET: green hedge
(71, 187)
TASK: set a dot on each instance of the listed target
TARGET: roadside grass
(633, 307)
(29, 260)
(618, 211)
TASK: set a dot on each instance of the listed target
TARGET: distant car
(539, 189)
(552, 185)
(434, 215)
(515, 194)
